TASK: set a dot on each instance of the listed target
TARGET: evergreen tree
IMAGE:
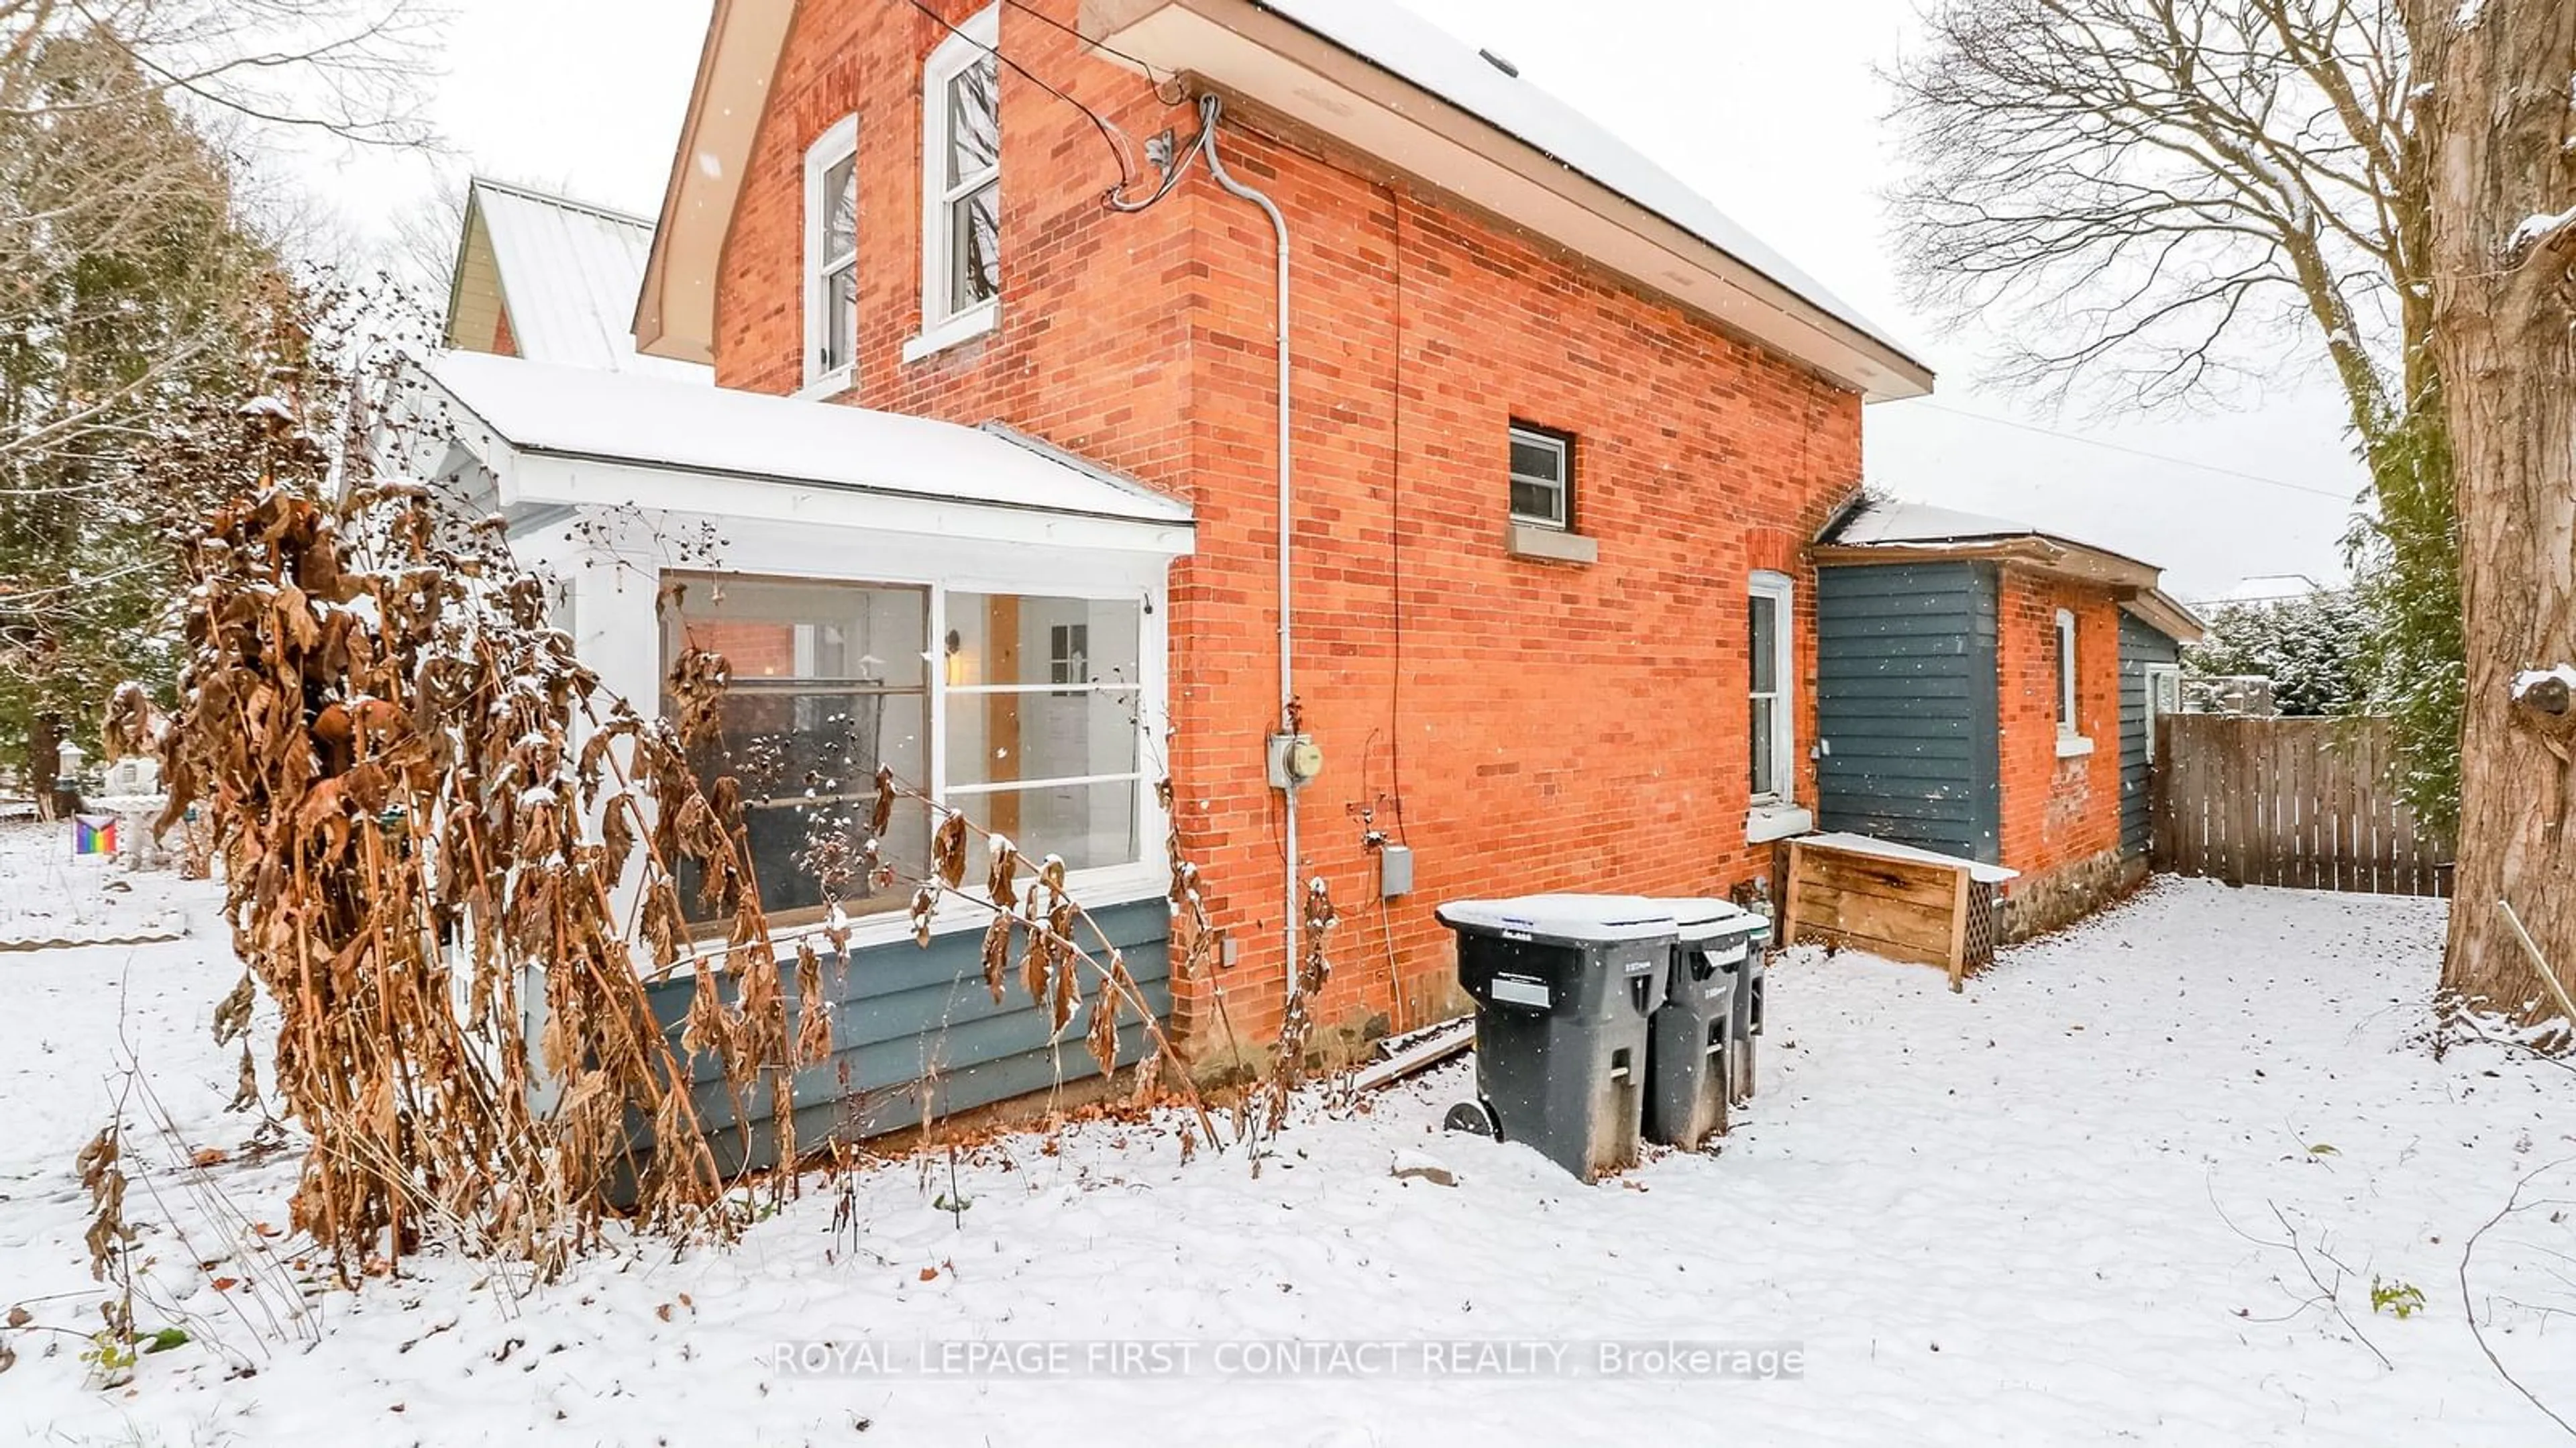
(132, 285)
(2309, 647)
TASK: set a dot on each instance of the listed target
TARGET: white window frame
(1562, 445)
(1145, 877)
(840, 143)
(1783, 704)
(2071, 739)
(2153, 675)
(943, 323)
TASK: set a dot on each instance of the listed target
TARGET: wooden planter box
(1849, 891)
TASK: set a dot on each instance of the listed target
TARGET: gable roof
(563, 273)
(1375, 77)
(1888, 530)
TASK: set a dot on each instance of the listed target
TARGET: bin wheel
(1476, 1117)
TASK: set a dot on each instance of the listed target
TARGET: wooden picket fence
(2305, 803)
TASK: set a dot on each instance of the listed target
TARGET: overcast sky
(1773, 111)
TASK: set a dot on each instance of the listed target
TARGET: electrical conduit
(1210, 107)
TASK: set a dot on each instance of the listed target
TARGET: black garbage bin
(1690, 1061)
(1747, 1008)
(1565, 986)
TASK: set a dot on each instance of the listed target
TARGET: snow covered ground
(2056, 1210)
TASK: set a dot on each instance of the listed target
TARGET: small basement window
(1542, 471)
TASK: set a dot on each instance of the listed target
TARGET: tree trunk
(45, 735)
(2497, 122)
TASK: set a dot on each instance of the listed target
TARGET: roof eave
(1208, 40)
(745, 39)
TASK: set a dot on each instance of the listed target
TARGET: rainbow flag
(93, 834)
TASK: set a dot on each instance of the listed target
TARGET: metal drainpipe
(1210, 107)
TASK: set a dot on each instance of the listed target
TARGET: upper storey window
(832, 254)
(961, 176)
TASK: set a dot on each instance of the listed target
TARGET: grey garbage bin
(1564, 986)
(1690, 1061)
(1747, 1007)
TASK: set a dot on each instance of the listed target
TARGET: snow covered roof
(1393, 37)
(654, 423)
(1891, 521)
(562, 273)
(1904, 531)
(1373, 76)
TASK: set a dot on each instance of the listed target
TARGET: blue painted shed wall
(903, 1012)
(2140, 645)
(1905, 703)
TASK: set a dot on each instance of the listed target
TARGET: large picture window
(961, 176)
(1036, 704)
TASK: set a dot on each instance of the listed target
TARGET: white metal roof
(1393, 38)
(1880, 521)
(568, 273)
(679, 427)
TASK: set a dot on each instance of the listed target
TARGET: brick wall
(1522, 725)
(2060, 814)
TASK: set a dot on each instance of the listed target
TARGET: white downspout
(1209, 109)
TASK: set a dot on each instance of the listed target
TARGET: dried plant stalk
(381, 729)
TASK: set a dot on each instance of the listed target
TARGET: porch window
(829, 683)
(1034, 703)
(1774, 737)
(2067, 726)
(1042, 741)
(831, 254)
(961, 171)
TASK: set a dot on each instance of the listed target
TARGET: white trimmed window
(832, 254)
(1032, 724)
(1773, 745)
(2067, 725)
(1542, 477)
(961, 185)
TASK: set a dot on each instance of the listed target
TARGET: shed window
(831, 253)
(1773, 743)
(1542, 470)
(961, 179)
(2067, 726)
(1036, 710)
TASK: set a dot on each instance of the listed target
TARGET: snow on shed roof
(1393, 38)
(567, 273)
(1879, 521)
(655, 422)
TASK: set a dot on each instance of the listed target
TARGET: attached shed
(1987, 690)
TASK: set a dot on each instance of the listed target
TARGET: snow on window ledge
(965, 326)
(1767, 822)
(2073, 746)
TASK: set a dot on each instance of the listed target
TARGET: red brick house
(996, 453)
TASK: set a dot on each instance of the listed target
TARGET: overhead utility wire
(1110, 135)
(2139, 452)
(1152, 73)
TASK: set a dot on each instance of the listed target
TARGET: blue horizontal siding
(1905, 702)
(2140, 645)
(905, 1013)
